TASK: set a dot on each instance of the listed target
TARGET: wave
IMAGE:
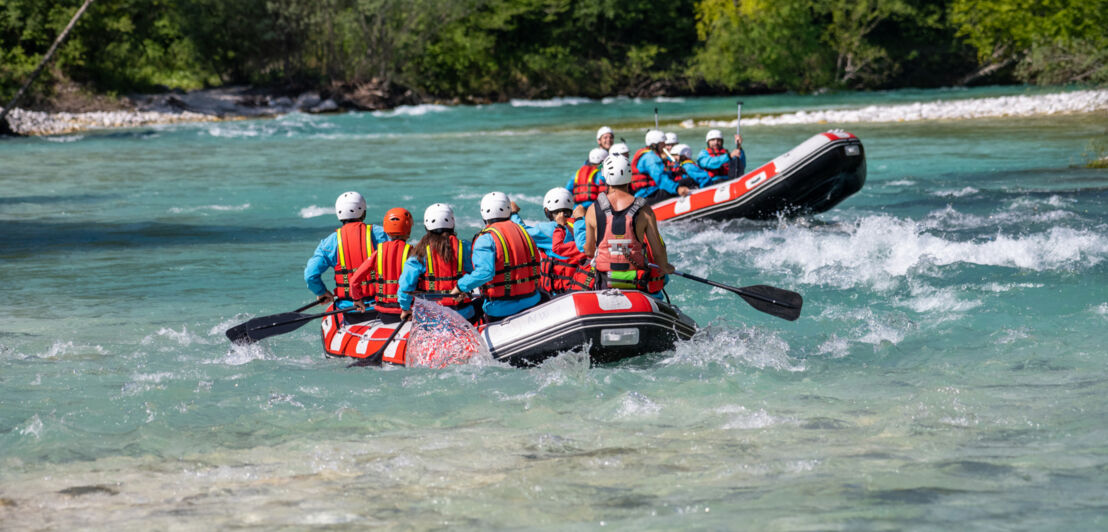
(1005, 106)
(219, 208)
(313, 211)
(553, 102)
(412, 110)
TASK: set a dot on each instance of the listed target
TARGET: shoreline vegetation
(245, 103)
(245, 58)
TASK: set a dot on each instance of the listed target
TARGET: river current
(948, 370)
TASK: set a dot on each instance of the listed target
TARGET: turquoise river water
(949, 370)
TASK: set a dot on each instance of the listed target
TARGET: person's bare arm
(649, 233)
(590, 231)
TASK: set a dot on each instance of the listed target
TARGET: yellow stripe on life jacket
(342, 257)
(503, 245)
(460, 266)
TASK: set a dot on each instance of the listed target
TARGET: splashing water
(441, 337)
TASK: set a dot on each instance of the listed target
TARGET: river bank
(237, 103)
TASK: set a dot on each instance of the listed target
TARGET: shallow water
(948, 370)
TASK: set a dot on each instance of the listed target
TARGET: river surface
(948, 372)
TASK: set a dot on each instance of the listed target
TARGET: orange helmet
(398, 222)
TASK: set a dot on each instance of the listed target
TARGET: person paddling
(649, 178)
(505, 262)
(382, 269)
(438, 262)
(720, 163)
(344, 251)
(622, 236)
(587, 182)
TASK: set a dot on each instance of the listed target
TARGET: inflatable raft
(811, 178)
(614, 324)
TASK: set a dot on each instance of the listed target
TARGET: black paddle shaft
(772, 300)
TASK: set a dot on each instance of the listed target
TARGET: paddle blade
(266, 326)
(774, 301)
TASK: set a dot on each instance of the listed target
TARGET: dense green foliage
(497, 49)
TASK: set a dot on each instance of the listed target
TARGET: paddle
(733, 168)
(377, 356)
(655, 118)
(273, 325)
(773, 301)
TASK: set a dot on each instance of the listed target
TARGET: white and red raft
(811, 178)
(612, 325)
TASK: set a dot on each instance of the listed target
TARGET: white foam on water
(998, 287)
(33, 427)
(412, 110)
(637, 405)
(180, 338)
(313, 211)
(869, 328)
(743, 419)
(1101, 309)
(879, 251)
(67, 349)
(222, 208)
(928, 300)
(63, 138)
(614, 99)
(669, 99)
(1086, 101)
(901, 183)
(735, 349)
(834, 347)
(963, 192)
(239, 355)
(552, 102)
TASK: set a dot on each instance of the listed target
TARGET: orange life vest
(442, 276)
(640, 180)
(355, 240)
(724, 170)
(585, 187)
(390, 257)
(517, 262)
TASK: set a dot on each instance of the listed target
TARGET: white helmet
(597, 155)
(617, 170)
(655, 137)
(350, 206)
(438, 216)
(605, 130)
(671, 138)
(681, 150)
(557, 199)
(713, 134)
(620, 149)
(495, 205)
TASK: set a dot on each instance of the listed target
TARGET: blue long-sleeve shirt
(326, 257)
(542, 233)
(698, 174)
(413, 268)
(484, 269)
(708, 161)
(651, 164)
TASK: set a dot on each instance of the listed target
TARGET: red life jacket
(517, 262)
(585, 187)
(390, 257)
(355, 240)
(639, 180)
(557, 274)
(620, 250)
(441, 276)
(724, 170)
